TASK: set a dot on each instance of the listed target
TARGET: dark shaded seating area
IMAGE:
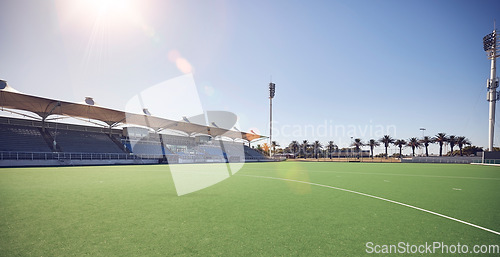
(22, 139)
(27, 136)
(84, 141)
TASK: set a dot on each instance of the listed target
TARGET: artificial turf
(135, 211)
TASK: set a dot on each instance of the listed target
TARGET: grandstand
(83, 141)
(127, 139)
(22, 138)
(76, 142)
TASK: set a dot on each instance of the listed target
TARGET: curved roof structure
(45, 107)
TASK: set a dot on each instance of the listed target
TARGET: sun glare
(114, 15)
(110, 7)
(90, 9)
(102, 24)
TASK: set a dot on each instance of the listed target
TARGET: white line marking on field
(387, 174)
(413, 175)
(379, 198)
(387, 181)
(486, 164)
(458, 189)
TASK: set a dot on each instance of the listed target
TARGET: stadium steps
(50, 140)
(168, 151)
(119, 144)
(162, 146)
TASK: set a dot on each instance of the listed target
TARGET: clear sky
(342, 68)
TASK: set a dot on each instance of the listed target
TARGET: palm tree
(440, 138)
(330, 147)
(304, 146)
(294, 145)
(468, 150)
(373, 143)
(413, 143)
(400, 143)
(426, 141)
(316, 146)
(452, 140)
(386, 140)
(461, 141)
(357, 145)
(274, 144)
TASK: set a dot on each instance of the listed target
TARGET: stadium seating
(22, 139)
(84, 141)
(211, 150)
(150, 145)
(19, 135)
(253, 154)
(146, 148)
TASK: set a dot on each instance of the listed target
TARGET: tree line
(306, 149)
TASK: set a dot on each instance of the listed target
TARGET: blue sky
(351, 67)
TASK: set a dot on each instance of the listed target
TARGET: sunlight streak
(102, 24)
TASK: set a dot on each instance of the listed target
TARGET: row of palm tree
(442, 138)
(414, 143)
(316, 147)
(386, 141)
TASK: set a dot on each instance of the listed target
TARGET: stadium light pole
(272, 91)
(491, 44)
(423, 135)
(423, 132)
(350, 149)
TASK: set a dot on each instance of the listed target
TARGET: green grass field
(135, 211)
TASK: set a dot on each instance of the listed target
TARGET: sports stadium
(122, 177)
(86, 190)
(37, 141)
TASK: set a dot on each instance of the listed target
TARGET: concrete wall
(445, 159)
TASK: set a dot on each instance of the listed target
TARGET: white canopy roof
(45, 107)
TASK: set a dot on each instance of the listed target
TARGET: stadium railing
(443, 159)
(488, 161)
(69, 156)
(186, 158)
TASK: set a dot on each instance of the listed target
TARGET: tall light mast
(272, 91)
(491, 46)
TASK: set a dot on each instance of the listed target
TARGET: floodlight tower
(272, 91)
(491, 46)
(423, 131)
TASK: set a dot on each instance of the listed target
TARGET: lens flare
(184, 66)
(294, 173)
(182, 63)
